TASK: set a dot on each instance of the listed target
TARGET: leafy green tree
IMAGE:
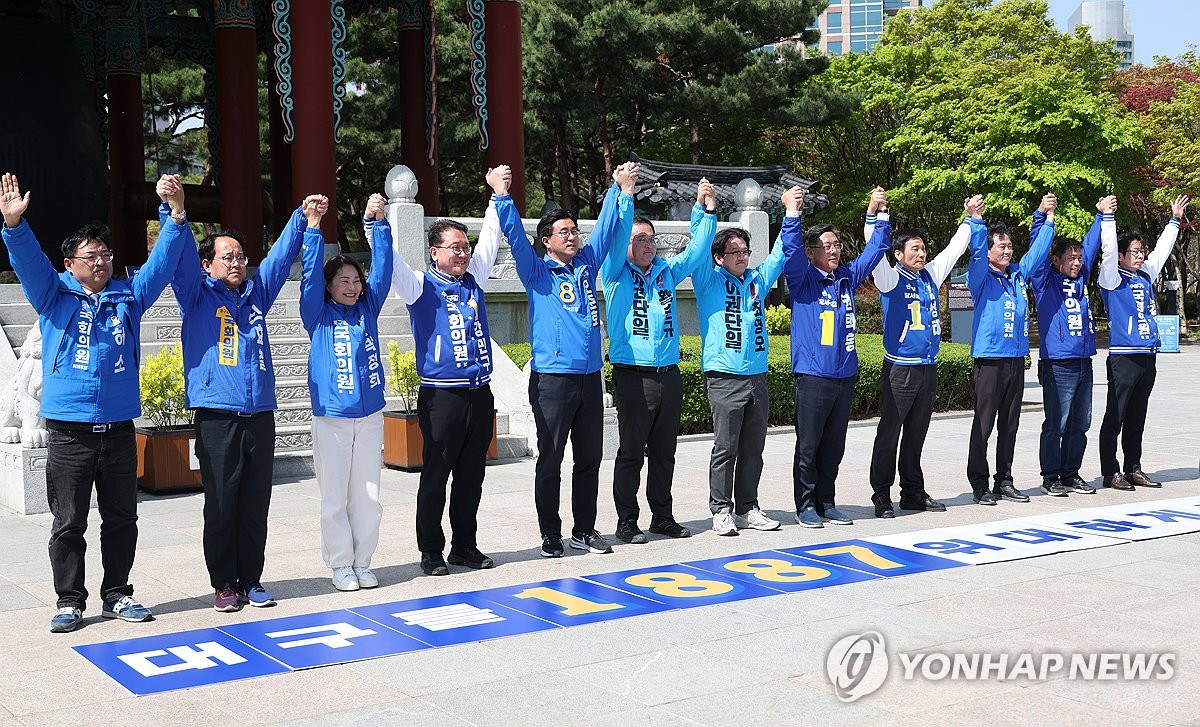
(965, 96)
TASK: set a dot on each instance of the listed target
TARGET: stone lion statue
(21, 397)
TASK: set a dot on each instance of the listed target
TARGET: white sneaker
(723, 524)
(756, 520)
(344, 579)
(366, 579)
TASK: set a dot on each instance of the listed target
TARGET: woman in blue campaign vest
(340, 310)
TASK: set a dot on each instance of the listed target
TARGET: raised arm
(273, 271)
(312, 281)
(488, 247)
(615, 222)
(529, 268)
(37, 275)
(702, 230)
(1091, 242)
(877, 247)
(379, 280)
(939, 269)
(1037, 258)
(174, 237)
(1110, 274)
(1166, 241)
(885, 274)
(791, 237)
(1039, 268)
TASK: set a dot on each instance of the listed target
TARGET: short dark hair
(903, 236)
(208, 245)
(997, 230)
(812, 238)
(640, 220)
(440, 226)
(1124, 240)
(545, 226)
(94, 231)
(724, 236)
(1061, 245)
(336, 263)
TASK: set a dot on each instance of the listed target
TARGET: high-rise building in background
(855, 25)
(1107, 20)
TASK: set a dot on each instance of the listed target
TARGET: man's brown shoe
(1117, 482)
(1139, 478)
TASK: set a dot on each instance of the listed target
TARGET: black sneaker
(668, 527)
(432, 564)
(470, 557)
(552, 546)
(1139, 478)
(1054, 487)
(1076, 483)
(591, 541)
(926, 503)
(1006, 491)
(883, 508)
(629, 532)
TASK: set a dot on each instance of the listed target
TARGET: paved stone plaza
(751, 662)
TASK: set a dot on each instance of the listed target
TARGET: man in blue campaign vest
(1127, 286)
(999, 344)
(733, 331)
(1068, 342)
(91, 346)
(565, 388)
(824, 357)
(643, 331)
(912, 335)
(231, 385)
(455, 407)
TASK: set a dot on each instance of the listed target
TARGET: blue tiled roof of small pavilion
(661, 184)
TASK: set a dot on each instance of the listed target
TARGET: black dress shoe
(1139, 478)
(1117, 482)
(470, 557)
(883, 509)
(432, 564)
(924, 503)
(669, 528)
(983, 497)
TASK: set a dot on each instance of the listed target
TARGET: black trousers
(237, 455)
(1130, 381)
(999, 383)
(649, 404)
(456, 426)
(822, 415)
(905, 407)
(567, 405)
(77, 458)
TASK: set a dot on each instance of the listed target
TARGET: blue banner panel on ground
(320, 639)
(780, 571)
(682, 587)
(178, 661)
(455, 618)
(876, 558)
(572, 601)
(1134, 521)
(995, 542)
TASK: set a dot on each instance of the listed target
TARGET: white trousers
(348, 455)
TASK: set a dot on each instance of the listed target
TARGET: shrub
(164, 389)
(779, 320)
(404, 379)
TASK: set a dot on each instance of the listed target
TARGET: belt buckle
(244, 414)
(100, 427)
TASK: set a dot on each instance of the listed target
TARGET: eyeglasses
(828, 246)
(231, 259)
(93, 259)
(566, 233)
(454, 250)
(644, 240)
(737, 253)
(1136, 252)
